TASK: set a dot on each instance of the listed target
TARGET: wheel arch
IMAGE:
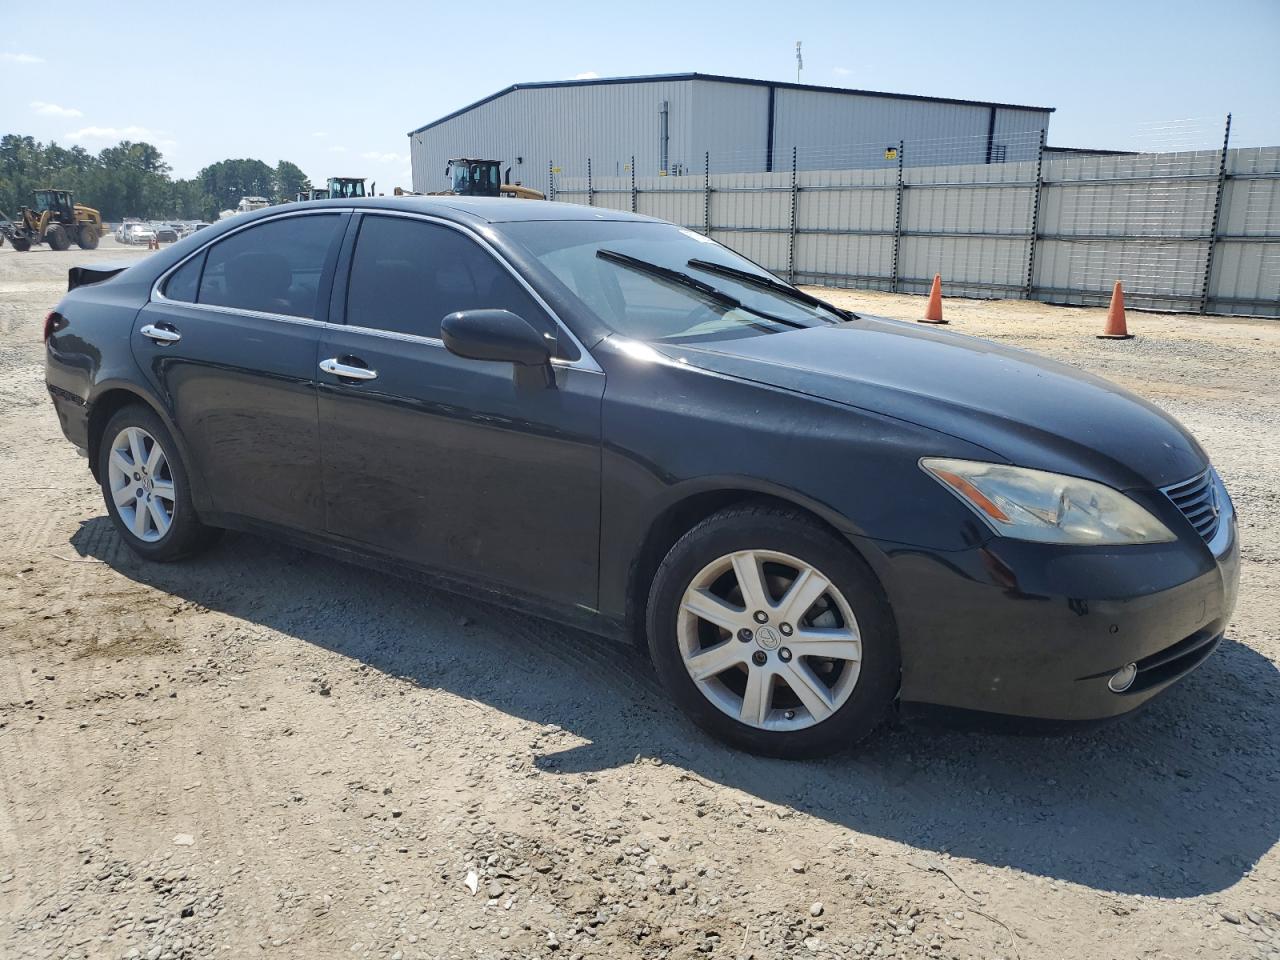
(107, 401)
(689, 505)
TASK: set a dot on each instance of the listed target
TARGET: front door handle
(160, 334)
(339, 369)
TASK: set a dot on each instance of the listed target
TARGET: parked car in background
(808, 514)
(165, 233)
(138, 233)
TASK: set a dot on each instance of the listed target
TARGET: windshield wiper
(768, 283)
(713, 294)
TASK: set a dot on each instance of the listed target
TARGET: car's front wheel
(772, 634)
(144, 484)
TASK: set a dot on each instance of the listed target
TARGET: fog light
(1123, 678)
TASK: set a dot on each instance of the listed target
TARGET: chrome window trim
(584, 362)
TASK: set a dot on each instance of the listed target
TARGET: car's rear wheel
(772, 634)
(144, 484)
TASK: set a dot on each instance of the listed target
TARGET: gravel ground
(266, 752)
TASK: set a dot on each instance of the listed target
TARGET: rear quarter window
(185, 281)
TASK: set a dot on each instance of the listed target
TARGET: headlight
(1046, 507)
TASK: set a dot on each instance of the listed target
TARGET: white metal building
(671, 123)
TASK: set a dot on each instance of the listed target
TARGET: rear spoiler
(95, 273)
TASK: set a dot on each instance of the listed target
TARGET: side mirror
(497, 335)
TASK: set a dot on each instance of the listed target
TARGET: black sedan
(810, 516)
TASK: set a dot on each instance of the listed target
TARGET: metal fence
(1184, 230)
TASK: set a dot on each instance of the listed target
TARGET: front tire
(21, 244)
(87, 236)
(772, 634)
(146, 489)
(56, 236)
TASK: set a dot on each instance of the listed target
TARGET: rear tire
(21, 244)
(56, 236)
(147, 493)
(87, 236)
(808, 673)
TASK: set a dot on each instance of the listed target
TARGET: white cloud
(154, 137)
(841, 71)
(383, 157)
(21, 58)
(589, 75)
(53, 110)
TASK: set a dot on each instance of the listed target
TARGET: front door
(452, 463)
(230, 346)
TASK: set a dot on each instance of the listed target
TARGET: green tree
(228, 180)
(290, 180)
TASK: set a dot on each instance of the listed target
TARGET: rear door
(229, 342)
(452, 463)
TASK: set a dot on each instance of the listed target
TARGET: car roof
(478, 209)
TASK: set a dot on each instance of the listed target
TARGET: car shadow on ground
(1179, 800)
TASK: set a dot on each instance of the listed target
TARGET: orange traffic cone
(933, 310)
(1116, 327)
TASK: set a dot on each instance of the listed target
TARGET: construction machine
(347, 188)
(483, 178)
(55, 219)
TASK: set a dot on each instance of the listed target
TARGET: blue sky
(335, 88)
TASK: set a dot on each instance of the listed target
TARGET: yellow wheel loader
(56, 219)
(478, 178)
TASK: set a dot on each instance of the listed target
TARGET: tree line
(133, 180)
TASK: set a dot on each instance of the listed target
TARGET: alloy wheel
(769, 640)
(141, 483)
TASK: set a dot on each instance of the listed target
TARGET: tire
(754, 704)
(21, 244)
(56, 236)
(163, 485)
(87, 236)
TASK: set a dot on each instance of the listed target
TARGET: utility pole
(799, 62)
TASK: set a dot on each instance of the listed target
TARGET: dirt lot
(263, 752)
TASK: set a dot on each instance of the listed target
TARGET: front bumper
(1036, 631)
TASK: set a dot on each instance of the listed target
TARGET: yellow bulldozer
(56, 219)
(478, 178)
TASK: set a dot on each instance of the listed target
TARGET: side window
(184, 281)
(274, 267)
(407, 276)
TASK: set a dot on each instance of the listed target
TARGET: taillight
(53, 323)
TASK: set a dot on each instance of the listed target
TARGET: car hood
(1025, 409)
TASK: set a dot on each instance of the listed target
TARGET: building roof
(745, 81)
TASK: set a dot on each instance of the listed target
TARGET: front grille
(1197, 498)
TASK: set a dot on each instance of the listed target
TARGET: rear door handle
(160, 334)
(338, 369)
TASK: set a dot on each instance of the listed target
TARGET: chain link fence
(1189, 228)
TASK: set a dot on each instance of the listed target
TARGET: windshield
(636, 303)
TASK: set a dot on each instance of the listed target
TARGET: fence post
(551, 180)
(706, 194)
(897, 219)
(633, 183)
(1035, 221)
(791, 236)
(1217, 215)
(591, 191)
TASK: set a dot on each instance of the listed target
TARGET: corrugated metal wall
(1145, 220)
(562, 126)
